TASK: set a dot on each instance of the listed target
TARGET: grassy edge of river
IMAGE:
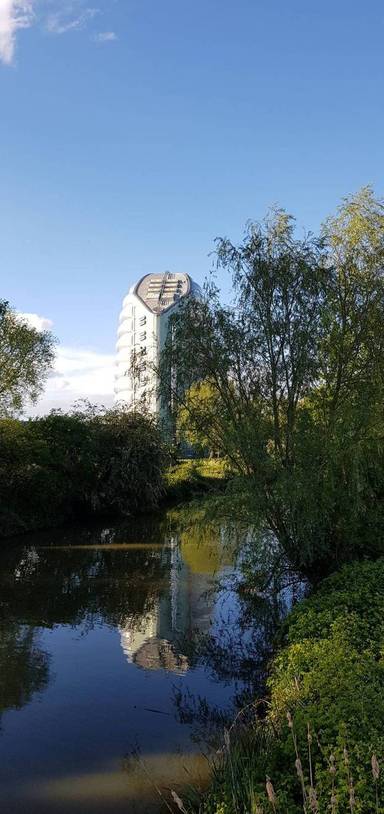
(195, 477)
(81, 465)
(313, 743)
(318, 744)
(316, 739)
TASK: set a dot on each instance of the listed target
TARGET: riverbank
(86, 465)
(195, 477)
(78, 465)
(320, 744)
(101, 654)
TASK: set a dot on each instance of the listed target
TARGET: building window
(143, 336)
(142, 321)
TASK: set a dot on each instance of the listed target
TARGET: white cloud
(83, 371)
(105, 36)
(14, 14)
(78, 373)
(65, 20)
(40, 323)
(54, 16)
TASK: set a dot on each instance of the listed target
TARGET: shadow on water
(120, 639)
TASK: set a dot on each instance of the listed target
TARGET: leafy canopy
(26, 356)
(295, 371)
(67, 465)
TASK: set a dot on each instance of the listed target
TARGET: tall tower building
(143, 327)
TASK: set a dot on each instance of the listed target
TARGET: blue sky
(133, 132)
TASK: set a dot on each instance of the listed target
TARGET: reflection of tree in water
(147, 580)
(24, 668)
(238, 651)
(234, 656)
(81, 578)
(57, 581)
(129, 578)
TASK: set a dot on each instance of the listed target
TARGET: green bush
(64, 465)
(328, 681)
(190, 478)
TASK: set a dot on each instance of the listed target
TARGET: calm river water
(119, 659)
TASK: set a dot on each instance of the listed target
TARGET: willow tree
(296, 364)
(205, 432)
(261, 354)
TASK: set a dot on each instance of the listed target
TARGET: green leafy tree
(26, 356)
(197, 419)
(296, 365)
(352, 350)
(67, 465)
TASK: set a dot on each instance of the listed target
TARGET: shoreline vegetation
(318, 743)
(90, 463)
(78, 465)
(285, 385)
(191, 478)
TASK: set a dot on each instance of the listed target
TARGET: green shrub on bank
(193, 477)
(63, 465)
(327, 682)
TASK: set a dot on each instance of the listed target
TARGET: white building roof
(161, 291)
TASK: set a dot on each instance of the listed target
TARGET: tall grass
(237, 787)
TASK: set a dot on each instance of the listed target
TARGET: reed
(242, 791)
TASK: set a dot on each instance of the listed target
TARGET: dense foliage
(201, 401)
(26, 356)
(66, 465)
(327, 682)
(293, 377)
(194, 477)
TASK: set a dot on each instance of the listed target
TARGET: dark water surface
(113, 641)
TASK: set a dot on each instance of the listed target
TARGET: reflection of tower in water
(153, 641)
